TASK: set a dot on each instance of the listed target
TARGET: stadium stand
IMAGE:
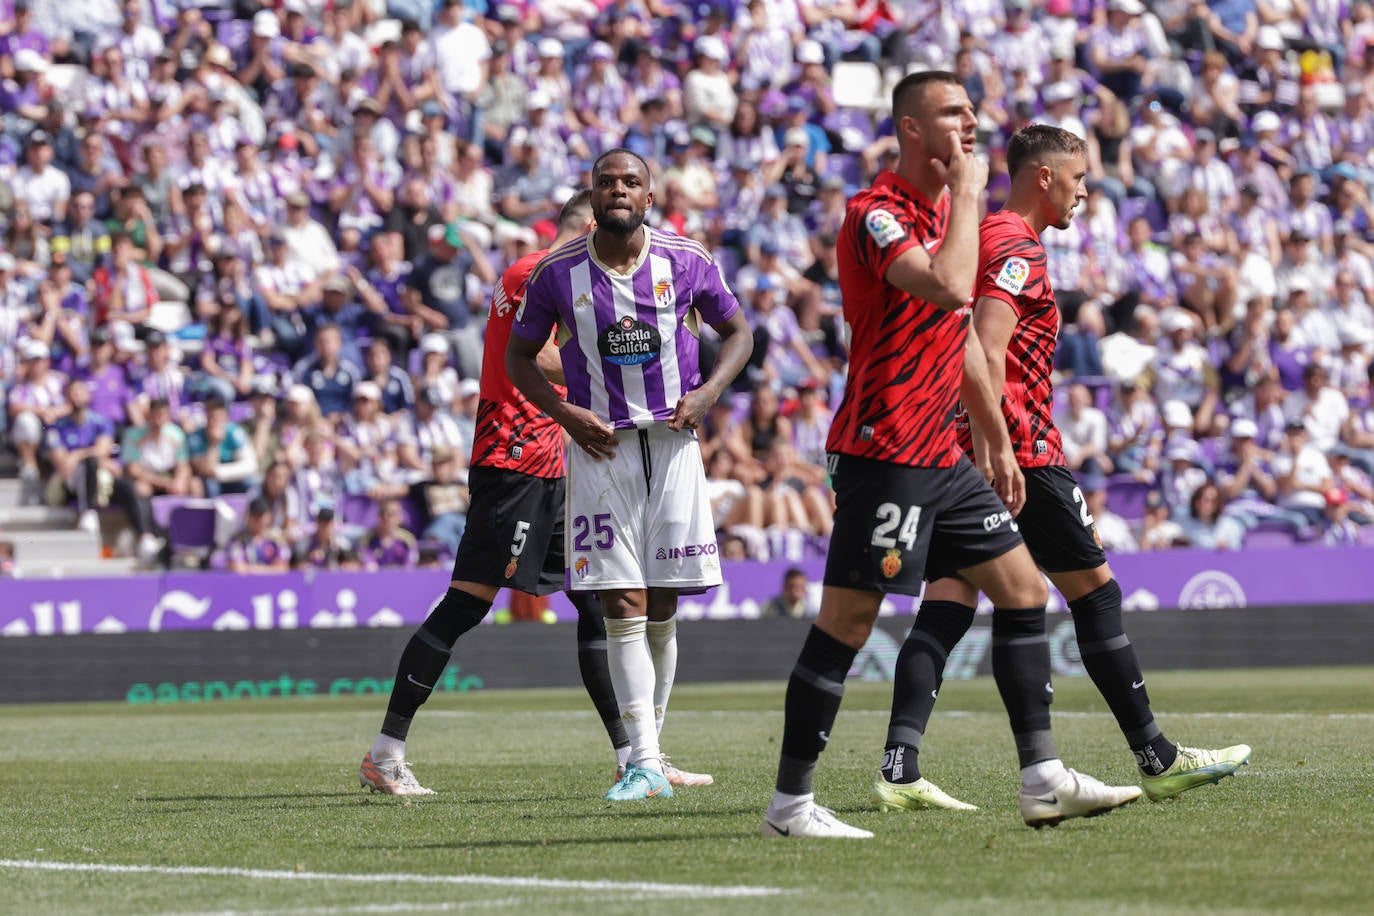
(230, 202)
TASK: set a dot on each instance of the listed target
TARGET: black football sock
(596, 671)
(425, 656)
(1110, 659)
(916, 683)
(814, 692)
(1021, 668)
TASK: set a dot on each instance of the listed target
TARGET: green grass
(271, 785)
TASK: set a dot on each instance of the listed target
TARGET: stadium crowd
(249, 250)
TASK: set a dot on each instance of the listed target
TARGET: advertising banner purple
(224, 602)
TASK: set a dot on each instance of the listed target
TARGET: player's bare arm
(550, 363)
(984, 406)
(946, 280)
(994, 321)
(592, 434)
(737, 345)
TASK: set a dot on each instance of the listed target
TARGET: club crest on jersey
(629, 342)
(510, 567)
(1015, 272)
(664, 296)
(884, 228)
(892, 563)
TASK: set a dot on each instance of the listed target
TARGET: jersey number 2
(1084, 515)
(889, 518)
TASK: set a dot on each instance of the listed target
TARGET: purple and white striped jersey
(628, 341)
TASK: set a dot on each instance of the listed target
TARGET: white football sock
(632, 675)
(1042, 777)
(784, 806)
(662, 636)
(387, 748)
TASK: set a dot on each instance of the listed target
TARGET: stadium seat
(191, 532)
(848, 166)
(358, 511)
(728, 259)
(853, 127)
(1126, 497)
(1366, 535)
(858, 85)
(164, 506)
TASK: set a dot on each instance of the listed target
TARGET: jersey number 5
(889, 518)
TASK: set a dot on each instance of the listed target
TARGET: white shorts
(641, 519)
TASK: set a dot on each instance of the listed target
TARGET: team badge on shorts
(884, 228)
(510, 567)
(1015, 272)
(581, 567)
(892, 563)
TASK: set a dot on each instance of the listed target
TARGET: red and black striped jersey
(906, 355)
(1011, 269)
(511, 433)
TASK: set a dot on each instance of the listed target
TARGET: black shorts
(514, 537)
(1056, 524)
(896, 526)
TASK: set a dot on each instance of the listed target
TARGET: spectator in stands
(708, 97)
(1184, 370)
(38, 183)
(155, 463)
(81, 239)
(398, 394)
(327, 374)
(1204, 283)
(63, 329)
(290, 517)
(1158, 531)
(1084, 431)
(1207, 525)
(437, 291)
(792, 600)
(367, 447)
(80, 448)
(318, 480)
(124, 291)
(325, 548)
(389, 545)
(106, 379)
(1339, 529)
(341, 307)
(1321, 409)
(307, 241)
(226, 360)
(431, 429)
(221, 454)
(443, 498)
(35, 402)
(158, 376)
(257, 548)
(1303, 474)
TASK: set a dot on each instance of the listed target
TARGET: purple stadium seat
(164, 506)
(191, 531)
(1126, 497)
(846, 165)
(854, 128)
(1367, 535)
(237, 502)
(358, 510)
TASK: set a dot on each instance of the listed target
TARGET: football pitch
(254, 807)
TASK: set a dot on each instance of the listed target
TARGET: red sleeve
(1004, 266)
(883, 232)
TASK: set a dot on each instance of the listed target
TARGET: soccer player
(627, 300)
(908, 504)
(1017, 323)
(514, 537)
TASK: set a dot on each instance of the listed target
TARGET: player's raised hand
(963, 171)
(690, 410)
(590, 433)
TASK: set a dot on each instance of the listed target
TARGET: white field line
(952, 713)
(384, 909)
(561, 884)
